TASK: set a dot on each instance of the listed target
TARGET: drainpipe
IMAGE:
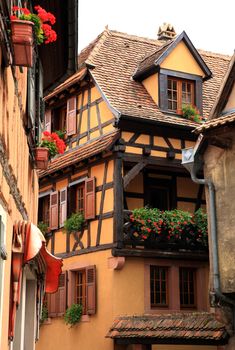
(192, 163)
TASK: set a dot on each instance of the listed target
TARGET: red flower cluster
(49, 33)
(54, 138)
(42, 22)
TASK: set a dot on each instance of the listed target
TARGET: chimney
(166, 32)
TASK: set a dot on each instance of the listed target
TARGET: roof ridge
(214, 54)
(133, 37)
(100, 40)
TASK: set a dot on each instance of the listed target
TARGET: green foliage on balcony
(171, 226)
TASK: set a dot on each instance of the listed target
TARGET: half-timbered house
(27, 269)
(122, 112)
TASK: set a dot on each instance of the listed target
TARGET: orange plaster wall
(13, 95)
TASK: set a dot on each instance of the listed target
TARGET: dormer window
(179, 92)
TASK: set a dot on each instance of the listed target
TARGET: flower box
(22, 40)
(41, 157)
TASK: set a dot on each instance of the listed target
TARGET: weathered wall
(219, 167)
(18, 180)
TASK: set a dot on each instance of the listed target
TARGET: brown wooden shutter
(56, 302)
(48, 120)
(89, 212)
(54, 210)
(63, 206)
(71, 118)
(91, 289)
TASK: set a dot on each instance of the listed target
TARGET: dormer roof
(151, 63)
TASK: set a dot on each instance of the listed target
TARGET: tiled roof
(78, 76)
(77, 154)
(216, 122)
(115, 58)
(149, 60)
(176, 326)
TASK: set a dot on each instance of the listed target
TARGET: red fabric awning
(29, 244)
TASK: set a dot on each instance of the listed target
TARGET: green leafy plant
(171, 226)
(43, 227)
(44, 314)
(191, 113)
(74, 223)
(73, 314)
(61, 133)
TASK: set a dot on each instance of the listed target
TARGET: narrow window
(44, 210)
(179, 92)
(158, 286)
(187, 287)
(80, 290)
(80, 198)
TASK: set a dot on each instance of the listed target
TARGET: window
(187, 277)
(179, 92)
(80, 289)
(177, 88)
(44, 209)
(58, 121)
(159, 193)
(158, 286)
(80, 201)
(75, 286)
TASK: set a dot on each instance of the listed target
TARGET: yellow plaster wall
(95, 94)
(106, 231)
(151, 85)
(135, 150)
(60, 242)
(231, 100)
(98, 172)
(108, 200)
(180, 59)
(144, 139)
(126, 135)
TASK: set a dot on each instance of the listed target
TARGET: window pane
(158, 286)
(187, 287)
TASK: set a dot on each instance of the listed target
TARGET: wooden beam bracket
(134, 172)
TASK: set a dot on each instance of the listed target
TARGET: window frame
(193, 270)
(163, 88)
(179, 93)
(160, 305)
(201, 272)
(71, 295)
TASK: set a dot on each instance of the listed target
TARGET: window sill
(85, 318)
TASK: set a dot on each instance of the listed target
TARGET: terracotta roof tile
(117, 57)
(216, 122)
(77, 154)
(78, 76)
(181, 326)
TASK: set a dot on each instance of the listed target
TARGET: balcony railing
(168, 230)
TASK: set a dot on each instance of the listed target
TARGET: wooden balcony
(183, 238)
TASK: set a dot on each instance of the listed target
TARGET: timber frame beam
(134, 172)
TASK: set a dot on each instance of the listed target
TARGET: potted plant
(43, 227)
(74, 223)
(73, 314)
(191, 113)
(50, 145)
(27, 26)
